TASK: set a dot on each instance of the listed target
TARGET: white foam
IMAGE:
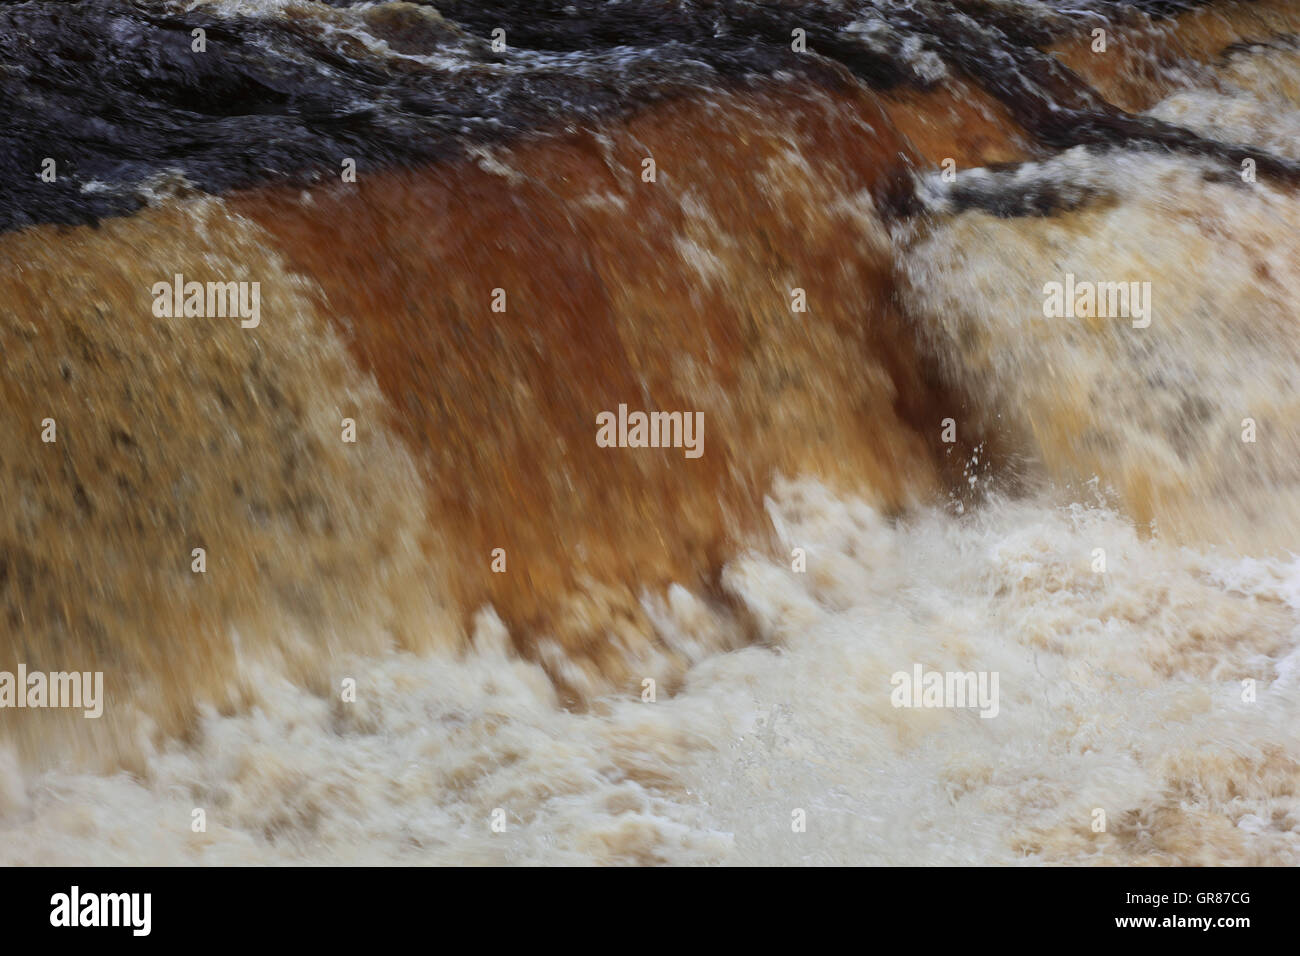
(1118, 691)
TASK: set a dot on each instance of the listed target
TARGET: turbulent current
(987, 310)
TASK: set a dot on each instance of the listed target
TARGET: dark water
(115, 94)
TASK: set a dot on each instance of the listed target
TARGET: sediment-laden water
(836, 246)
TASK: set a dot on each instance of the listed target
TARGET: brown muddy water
(428, 597)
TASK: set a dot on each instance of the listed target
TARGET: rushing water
(919, 468)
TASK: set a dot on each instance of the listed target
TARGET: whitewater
(687, 660)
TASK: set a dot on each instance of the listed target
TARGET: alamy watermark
(922, 688)
(75, 908)
(651, 430)
(208, 300)
(1104, 300)
(57, 689)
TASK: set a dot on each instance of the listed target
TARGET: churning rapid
(986, 310)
